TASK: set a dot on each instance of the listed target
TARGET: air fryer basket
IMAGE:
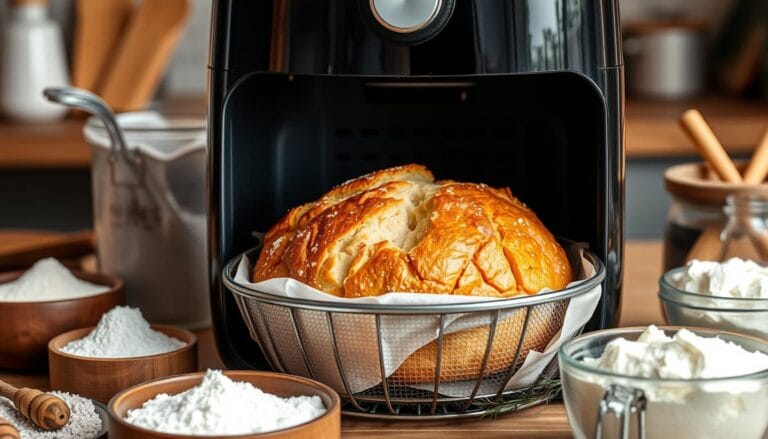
(296, 335)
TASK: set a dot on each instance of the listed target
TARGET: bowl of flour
(688, 383)
(230, 404)
(122, 350)
(45, 301)
(730, 295)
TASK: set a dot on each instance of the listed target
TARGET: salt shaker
(32, 59)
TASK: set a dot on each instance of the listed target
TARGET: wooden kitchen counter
(640, 307)
(652, 131)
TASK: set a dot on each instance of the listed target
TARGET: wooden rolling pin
(8, 430)
(47, 411)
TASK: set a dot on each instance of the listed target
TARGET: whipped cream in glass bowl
(730, 295)
(667, 382)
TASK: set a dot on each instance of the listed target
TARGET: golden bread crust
(399, 230)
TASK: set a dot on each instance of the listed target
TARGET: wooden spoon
(143, 53)
(8, 430)
(47, 411)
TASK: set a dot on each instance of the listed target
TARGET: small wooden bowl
(102, 378)
(27, 327)
(327, 426)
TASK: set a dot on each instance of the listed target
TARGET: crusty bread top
(399, 230)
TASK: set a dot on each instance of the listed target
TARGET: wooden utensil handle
(758, 165)
(709, 147)
(47, 411)
(8, 430)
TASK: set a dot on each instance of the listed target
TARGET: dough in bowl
(399, 230)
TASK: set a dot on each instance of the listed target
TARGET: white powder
(220, 406)
(677, 406)
(84, 422)
(47, 280)
(122, 333)
(732, 278)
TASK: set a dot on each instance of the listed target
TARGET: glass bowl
(623, 406)
(743, 315)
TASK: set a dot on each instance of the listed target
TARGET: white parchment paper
(357, 335)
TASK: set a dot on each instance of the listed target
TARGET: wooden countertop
(651, 132)
(640, 307)
(61, 144)
(652, 129)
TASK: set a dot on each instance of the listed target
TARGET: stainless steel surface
(404, 16)
(89, 102)
(300, 336)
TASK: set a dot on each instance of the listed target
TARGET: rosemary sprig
(544, 391)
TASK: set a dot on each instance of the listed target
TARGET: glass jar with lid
(697, 219)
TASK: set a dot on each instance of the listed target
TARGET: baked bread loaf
(399, 230)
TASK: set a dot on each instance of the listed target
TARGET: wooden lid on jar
(697, 183)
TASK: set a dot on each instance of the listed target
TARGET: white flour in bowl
(47, 280)
(734, 278)
(219, 406)
(678, 376)
(122, 333)
(84, 422)
(733, 295)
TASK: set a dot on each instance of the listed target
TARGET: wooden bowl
(27, 327)
(102, 378)
(327, 426)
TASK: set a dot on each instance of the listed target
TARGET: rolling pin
(47, 411)
(8, 430)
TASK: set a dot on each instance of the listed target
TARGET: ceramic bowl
(326, 426)
(102, 378)
(27, 327)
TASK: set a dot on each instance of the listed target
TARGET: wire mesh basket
(349, 346)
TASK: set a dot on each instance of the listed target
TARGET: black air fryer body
(305, 94)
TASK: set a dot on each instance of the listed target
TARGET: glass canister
(150, 214)
(699, 215)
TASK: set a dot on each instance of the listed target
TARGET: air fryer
(305, 94)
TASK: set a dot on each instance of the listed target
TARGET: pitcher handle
(622, 402)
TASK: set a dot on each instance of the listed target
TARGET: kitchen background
(60, 184)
